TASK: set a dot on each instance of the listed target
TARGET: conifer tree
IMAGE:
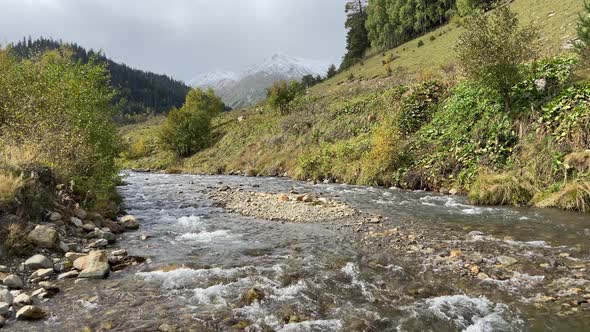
(583, 44)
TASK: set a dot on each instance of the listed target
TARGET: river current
(315, 277)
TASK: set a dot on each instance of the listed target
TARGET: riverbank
(48, 242)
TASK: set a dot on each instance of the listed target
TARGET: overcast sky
(184, 38)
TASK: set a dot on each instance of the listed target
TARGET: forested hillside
(144, 92)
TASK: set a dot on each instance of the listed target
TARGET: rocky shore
(68, 246)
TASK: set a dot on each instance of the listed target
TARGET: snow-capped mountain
(249, 86)
(215, 79)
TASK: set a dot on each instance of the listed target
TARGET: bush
(420, 43)
(187, 129)
(9, 186)
(419, 105)
(61, 110)
(574, 196)
(500, 189)
(281, 95)
(432, 38)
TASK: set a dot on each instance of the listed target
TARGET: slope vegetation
(406, 118)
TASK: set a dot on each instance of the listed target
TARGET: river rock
(100, 243)
(23, 299)
(54, 216)
(30, 312)
(4, 308)
(81, 262)
(77, 222)
(38, 262)
(43, 236)
(113, 226)
(48, 286)
(4, 269)
(120, 252)
(68, 275)
(105, 235)
(80, 213)
(2, 322)
(97, 266)
(506, 260)
(42, 273)
(89, 227)
(72, 256)
(307, 198)
(283, 198)
(253, 294)
(6, 296)
(62, 266)
(13, 281)
(129, 222)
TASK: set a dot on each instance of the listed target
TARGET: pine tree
(583, 44)
(332, 71)
(357, 39)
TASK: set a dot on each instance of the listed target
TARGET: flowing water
(315, 277)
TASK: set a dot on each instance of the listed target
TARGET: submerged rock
(43, 236)
(253, 294)
(30, 312)
(506, 260)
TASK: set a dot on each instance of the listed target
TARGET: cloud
(184, 38)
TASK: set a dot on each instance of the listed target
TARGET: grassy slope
(340, 115)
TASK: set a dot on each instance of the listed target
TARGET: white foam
(473, 314)
(205, 236)
(313, 325)
(211, 295)
(183, 277)
(352, 270)
(518, 281)
(190, 221)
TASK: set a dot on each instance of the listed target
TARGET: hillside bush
(61, 110)
(187, 129)
(418, 106)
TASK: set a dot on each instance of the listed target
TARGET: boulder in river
(13, 281)
(38, 262)
(129, 222)
(43, 236)
(97, 266)
(30, 312)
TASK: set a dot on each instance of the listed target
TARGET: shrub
(281, 95)
(187, 129)
(493, 48)
(9, 186)
(500, 189)
(15, 239)
(432, 38)
(420, 43)
(62, 110)
(418, 106)
(574, 196)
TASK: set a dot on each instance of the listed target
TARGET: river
(324, 277)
